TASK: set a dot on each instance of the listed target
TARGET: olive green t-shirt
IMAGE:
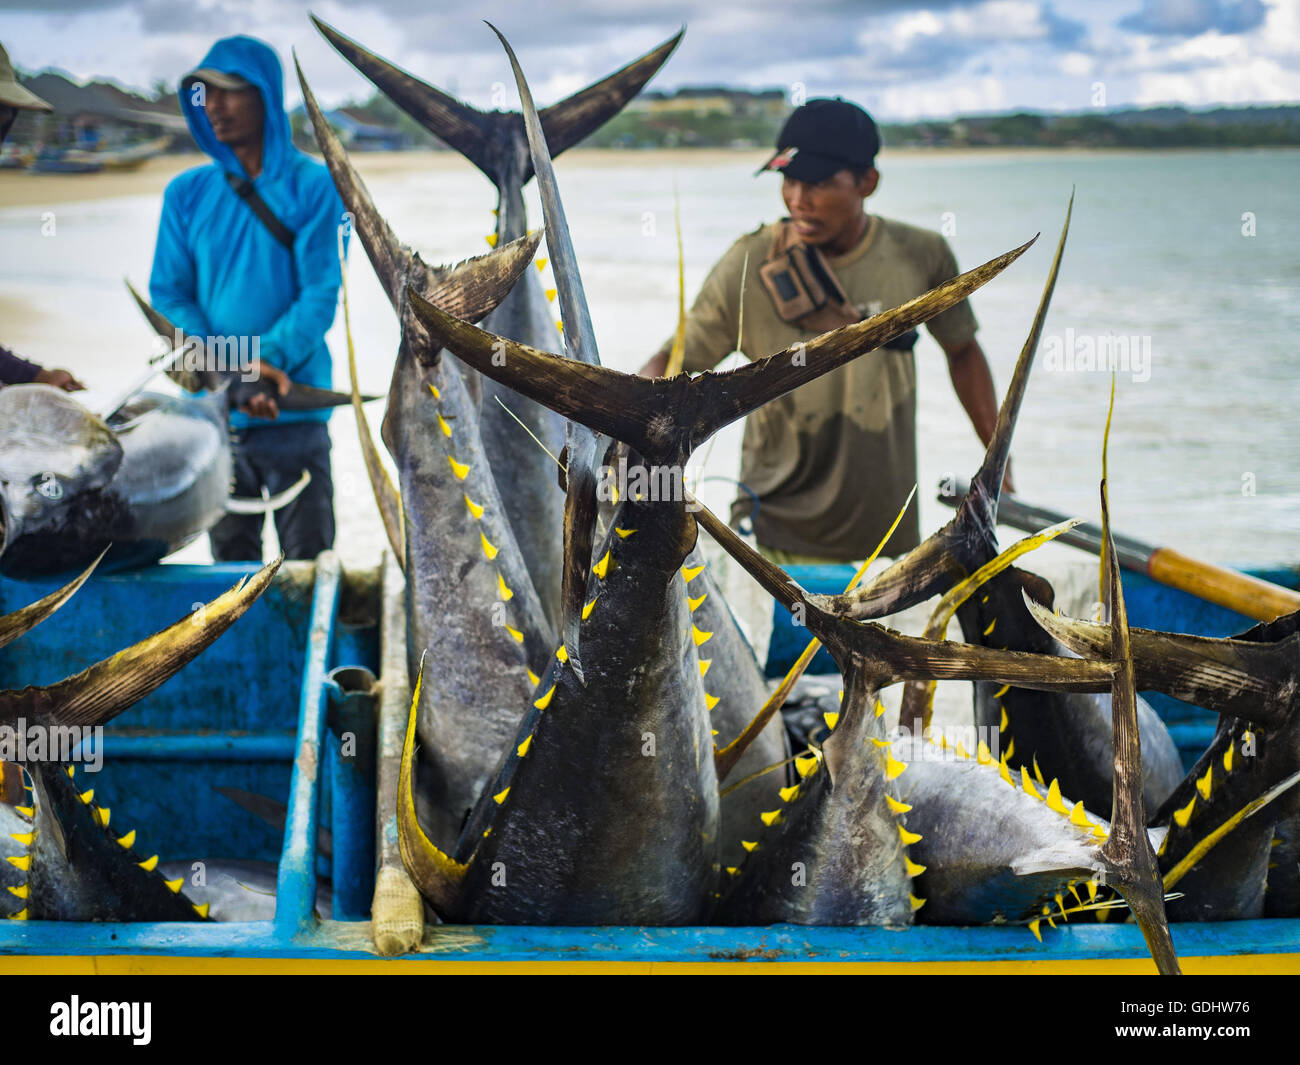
(833, 461)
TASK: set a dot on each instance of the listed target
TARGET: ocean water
(1192, 256)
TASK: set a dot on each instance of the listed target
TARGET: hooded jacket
(218, 271)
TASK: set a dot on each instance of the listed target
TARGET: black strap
(245, 191)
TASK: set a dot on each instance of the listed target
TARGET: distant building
(98, 115)
(358, 132)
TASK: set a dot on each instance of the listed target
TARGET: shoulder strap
(245, 191)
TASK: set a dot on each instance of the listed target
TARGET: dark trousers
(273, 457)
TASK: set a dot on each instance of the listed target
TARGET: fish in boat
(496, 143)
(1250, 680)
(1064, 736)
(605, 806)
(76, 866)
(470, 601)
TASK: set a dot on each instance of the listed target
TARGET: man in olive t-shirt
(832, 462)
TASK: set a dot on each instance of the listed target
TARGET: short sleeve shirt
(832, 462)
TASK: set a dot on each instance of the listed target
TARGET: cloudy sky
(901, 60)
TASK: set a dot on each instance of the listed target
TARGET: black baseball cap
(822, 137)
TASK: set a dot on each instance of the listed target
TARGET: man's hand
(59, 379)
(263, 405)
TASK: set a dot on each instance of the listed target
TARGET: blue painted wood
(296, 883)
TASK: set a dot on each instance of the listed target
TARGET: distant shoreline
(23, 190)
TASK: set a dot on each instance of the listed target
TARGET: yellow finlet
(989, 630)
(1011, 748)
(733, 870)
(961, 750)
(880, 706)
(175, 885)
(149, 864)
(540, 264)
(1181, 817)
(20, 861)
(710, 701)
(1092, 890)
(103, 813)
(562, 652)
(1078, 817)
(689, 573)
(533, 678)
(748, 845)
(694, 603)
(503, 589)
(805, 764)
(436, 393)
(704, 666)
(488, 548)
(1002, 691)
(1038, 773)
(550, 295)
(623, 534)
(1054, 801)
(559, 326)
(1033, 927)
(1227, 759)
(21, 891)
(545, 700)
(24, 838)
(1203, 785)
(1004, 771)
(127, 841)
(1027, 783)
(700, 638)
(87, 797)
(893, 767)
(770, 818)
(1002, 727)
(491, 238)
(500, 796)
(878, 742)
(70, 770)
(895, 805)
(522, 749)
(202, 909)
(912, 868)
(515, 634)
(474, 508)
(789, 793)
(458, 468)
(25, 811)
(21, 915)
(832, 718)
(916, 903)
(908, 837)
(586, 610)
(442, 424)
(983, 755)
(601, 567)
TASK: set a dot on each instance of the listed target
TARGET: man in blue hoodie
(248, 248)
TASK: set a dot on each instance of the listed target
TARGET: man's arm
(291, 341)
(173, 282)
(973, 382)
(712, 322)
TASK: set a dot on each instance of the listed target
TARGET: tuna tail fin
(666, 419)
(102, 691)
(22, 621)
(190, 380)
(470, 290)
(970, 538)
(1237, 677)
(387, 497)
(1127, 851)
(493, 141)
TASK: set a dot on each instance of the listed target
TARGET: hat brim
(218, 79)
(809, 166)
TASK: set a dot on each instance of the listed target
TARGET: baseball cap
(12, 94)
(218, 79)
(824, 136)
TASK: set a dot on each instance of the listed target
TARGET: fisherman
(15, 98)
(826, 468)
(247, 252)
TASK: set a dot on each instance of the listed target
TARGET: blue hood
(257, 63)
